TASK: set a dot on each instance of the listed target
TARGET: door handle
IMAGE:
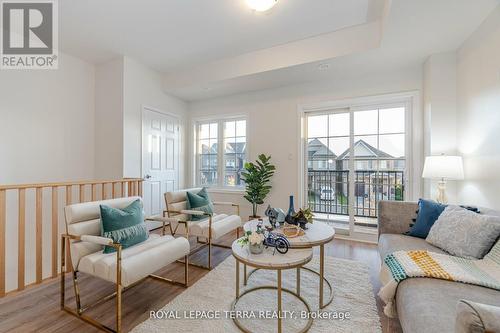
(147, 177)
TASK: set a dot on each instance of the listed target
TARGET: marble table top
(316, 234)
(266, 260)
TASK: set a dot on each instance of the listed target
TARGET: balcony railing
(328, 190)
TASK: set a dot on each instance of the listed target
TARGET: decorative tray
(292, 231)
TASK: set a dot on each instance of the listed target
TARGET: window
(221, 152)
(207, 153)
(377, 139)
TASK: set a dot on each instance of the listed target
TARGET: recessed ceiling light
(261, 5)
(323, 67)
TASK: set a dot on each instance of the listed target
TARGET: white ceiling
(219, 47)
(172, 34)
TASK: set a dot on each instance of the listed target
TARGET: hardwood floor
(37, 309)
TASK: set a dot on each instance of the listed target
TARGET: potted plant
(255, 241)
(257, 178)
(303, 216)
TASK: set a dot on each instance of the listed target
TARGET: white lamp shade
(443, 167)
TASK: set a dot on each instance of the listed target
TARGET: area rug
(204, 307)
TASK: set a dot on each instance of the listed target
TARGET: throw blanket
(409, 264)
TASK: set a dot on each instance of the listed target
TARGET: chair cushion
(125, 226)
(221, 225)
(85, 219)
(177, 201)
(87, 211)
(138, 261)
(199, 201)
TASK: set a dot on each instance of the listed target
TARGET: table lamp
(443, 168)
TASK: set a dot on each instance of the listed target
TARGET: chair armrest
(224, 203)
(395, 217)
(188, 212)
(92, 239)
(165, 220)
(96, 239)
(477, 317)
(227, 203)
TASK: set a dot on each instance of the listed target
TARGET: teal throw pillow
(124, 226)
(428, 213)
(199, 201)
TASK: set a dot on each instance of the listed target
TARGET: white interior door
(160, 158)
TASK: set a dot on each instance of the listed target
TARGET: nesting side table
(293, 259)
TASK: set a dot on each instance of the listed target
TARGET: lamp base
(441, 195)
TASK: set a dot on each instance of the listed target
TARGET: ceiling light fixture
(261, 5)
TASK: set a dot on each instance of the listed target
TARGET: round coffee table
(316, 234)
(294, 258)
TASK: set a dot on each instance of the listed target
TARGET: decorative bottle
(291, 211)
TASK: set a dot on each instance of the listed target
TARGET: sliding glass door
(328, 138)
(355, 158)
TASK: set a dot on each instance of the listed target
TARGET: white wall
(47, 123)
(123, 87)
(274, 127)
(479, 114)
(78, 122)
(46, 134)
(440, 113)
(143, 87)
(109, 119)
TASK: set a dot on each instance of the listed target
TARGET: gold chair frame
(172, 213)
(67, 238)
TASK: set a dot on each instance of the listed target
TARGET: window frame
(414, 149)
(221, 158)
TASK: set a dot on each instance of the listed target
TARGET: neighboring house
(320, 157)
(370, 184)
(234, 156)
(365, 155)
(234, 160)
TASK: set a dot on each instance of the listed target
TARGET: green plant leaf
(257, 177)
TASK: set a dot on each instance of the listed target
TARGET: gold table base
(280, 290)
(296, 261)
(325, 280)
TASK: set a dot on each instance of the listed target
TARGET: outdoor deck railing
(328, 190)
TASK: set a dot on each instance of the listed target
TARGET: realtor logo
(29, 34)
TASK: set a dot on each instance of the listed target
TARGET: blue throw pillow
(125, 226)
(199, 201)
(428, 213)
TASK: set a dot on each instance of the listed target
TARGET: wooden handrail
(59, 184)
(125, 187)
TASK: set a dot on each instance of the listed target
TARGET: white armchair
(211, 228)
(126, 268)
